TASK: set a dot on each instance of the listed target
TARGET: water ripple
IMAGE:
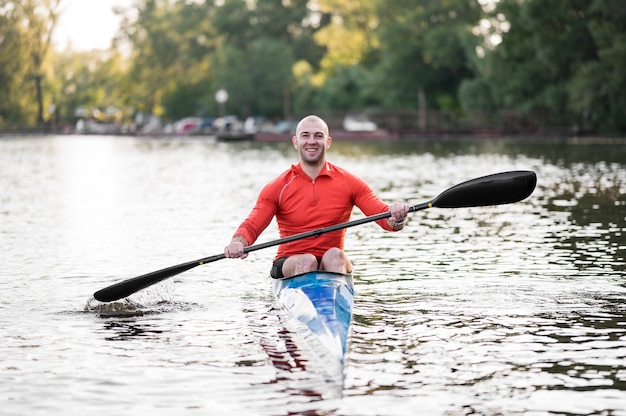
(513, 309)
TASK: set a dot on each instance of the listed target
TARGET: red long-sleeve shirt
(301, 204)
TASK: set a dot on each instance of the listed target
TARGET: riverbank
(382, 135)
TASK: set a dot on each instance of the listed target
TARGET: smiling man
(310, 195)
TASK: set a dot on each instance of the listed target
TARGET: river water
(506, 310)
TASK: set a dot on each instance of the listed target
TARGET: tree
(83, 83)
(26, 37)
(260, 43)
(13, 65)
(425, 48)
(597, 88)
(557, 65)
(344, 78)
(40, 17)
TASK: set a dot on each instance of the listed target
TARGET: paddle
(496, 189)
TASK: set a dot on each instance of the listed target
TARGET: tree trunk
(40, 120)
(421, 108)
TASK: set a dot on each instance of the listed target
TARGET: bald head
(312, 119)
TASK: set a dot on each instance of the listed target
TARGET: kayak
(318, 306)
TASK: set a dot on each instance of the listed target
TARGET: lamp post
(51, 109)
(221, 96)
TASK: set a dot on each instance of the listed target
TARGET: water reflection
(127, 331)
(591, 201)
(297, 373)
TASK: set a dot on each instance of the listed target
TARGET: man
(310, 195)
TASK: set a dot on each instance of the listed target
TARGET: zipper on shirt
(313, 200)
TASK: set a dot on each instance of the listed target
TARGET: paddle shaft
(500, 188)
(128, 287)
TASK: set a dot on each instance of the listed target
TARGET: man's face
(311, 141)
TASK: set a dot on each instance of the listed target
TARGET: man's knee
(299, 264)
(335, 260)
(307, 263)
(334, 254)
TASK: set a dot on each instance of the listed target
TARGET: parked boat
(319, 309)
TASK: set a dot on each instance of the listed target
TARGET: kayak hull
(319, 308)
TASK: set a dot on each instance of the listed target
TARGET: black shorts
(277, 267)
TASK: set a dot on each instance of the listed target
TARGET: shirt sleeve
(260, 216)
(369, 203)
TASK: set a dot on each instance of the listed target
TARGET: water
(513, 309)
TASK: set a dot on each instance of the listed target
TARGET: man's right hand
(234, 250)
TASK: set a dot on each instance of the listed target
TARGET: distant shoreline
(375, 136)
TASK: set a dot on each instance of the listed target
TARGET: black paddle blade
(496, 189)
(128, 287)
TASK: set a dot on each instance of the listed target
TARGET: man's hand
(234, 250)
(399, 212)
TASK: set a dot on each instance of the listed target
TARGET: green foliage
(424, 47)
(13, 70)
(562, 62)
(557, 66)
(347, 89)
(85, 80)
(597, 89)
(25, 36)
(257, 51)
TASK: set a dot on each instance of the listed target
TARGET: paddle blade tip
(496, 189)
(527, 178)
(105, 296)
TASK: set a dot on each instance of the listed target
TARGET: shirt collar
(327, 170)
